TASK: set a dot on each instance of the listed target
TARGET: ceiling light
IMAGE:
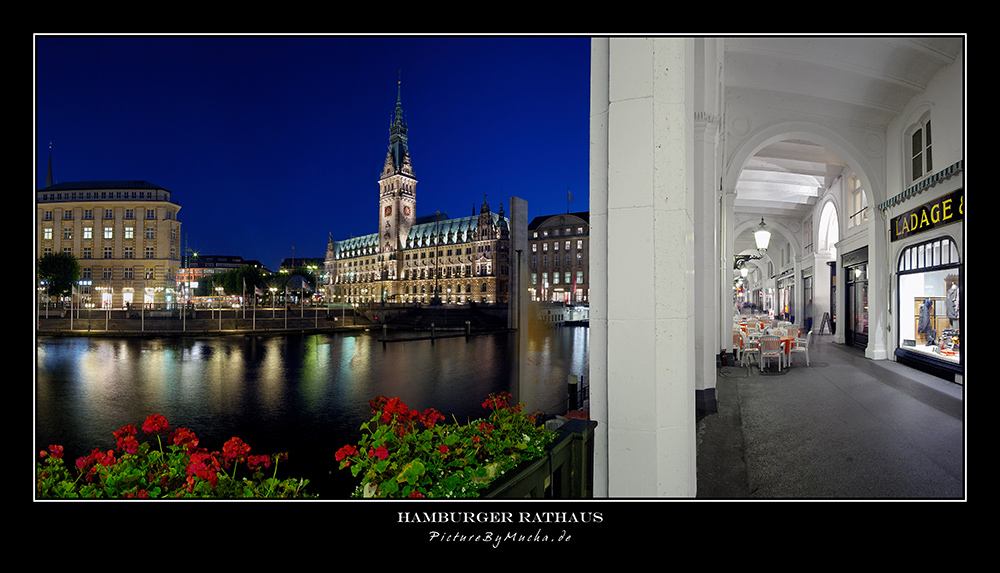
(762, 236)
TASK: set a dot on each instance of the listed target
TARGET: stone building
(427, 260)
(558, 261)
(125, 234)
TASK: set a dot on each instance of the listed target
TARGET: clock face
(406, 210)
(388, 210)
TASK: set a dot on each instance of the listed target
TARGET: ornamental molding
(707, 117)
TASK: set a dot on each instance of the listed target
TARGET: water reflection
(305, 394)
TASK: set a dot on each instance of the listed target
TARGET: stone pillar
(649, 310)
(599, 104)
(727, 236)
(705, 173)
(878, 291)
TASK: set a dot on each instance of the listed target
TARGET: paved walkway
(844, 427)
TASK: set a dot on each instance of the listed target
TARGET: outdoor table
(787, 343)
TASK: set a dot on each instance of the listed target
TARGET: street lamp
(762, 236)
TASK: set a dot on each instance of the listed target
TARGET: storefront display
(930, 302)
(856, 297)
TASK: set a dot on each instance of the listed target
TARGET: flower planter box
(565, 472)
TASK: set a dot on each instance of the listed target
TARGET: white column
(727, 236)
(878, 291)
(650, 304)
(599, 78)
(706, 128)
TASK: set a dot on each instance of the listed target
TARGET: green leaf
(411, 472)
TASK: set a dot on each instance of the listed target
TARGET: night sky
(270, 143)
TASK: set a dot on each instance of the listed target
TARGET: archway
(852, 159)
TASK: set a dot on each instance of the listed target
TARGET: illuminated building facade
(424, 260)
(558, 262)
(125, 235)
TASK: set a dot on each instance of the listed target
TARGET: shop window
(930, 300)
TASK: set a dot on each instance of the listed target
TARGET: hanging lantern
(762, 236)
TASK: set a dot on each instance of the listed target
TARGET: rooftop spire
(48, 175)
(397, 131)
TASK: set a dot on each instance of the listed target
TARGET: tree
(234, 281)
(60, 271)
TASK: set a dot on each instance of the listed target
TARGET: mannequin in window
(951, 306)
(924, 325)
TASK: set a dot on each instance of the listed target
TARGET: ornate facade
(125, 234)
(427, 260)
(559, 260)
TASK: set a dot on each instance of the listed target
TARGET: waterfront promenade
(202, 322)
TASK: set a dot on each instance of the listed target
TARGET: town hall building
(427, 260)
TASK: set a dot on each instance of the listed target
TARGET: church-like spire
(397, 130)
(48, 174)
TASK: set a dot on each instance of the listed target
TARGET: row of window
(105, 195)
(88, 214)
(425, 273)
(423, 289)
(555, 232)
(128, 273)
(555, 246)
(567, 278)
(555, 261)
(109, 252)
(108, 233)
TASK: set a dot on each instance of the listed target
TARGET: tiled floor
(843, 427)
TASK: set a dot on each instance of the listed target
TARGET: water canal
(306, 394)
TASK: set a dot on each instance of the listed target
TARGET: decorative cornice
(706, 117)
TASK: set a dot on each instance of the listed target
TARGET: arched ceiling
(863, 80)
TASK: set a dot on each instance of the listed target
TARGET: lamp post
(219, 290)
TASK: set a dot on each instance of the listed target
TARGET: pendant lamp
(762, 236)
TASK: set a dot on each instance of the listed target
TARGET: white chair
(801, 346)
(749, 350)
(770, 347)
(737, 343)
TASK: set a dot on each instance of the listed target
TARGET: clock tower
(397, 209)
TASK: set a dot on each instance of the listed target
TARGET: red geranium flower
(130, 444)
(155, 423)
(498, 401)
(255, 462)
(443, 449)
(430, 417)
(235, 450)
(380, 452)
(344, 452)
(184, 437)
(126, 439)
(203, 465)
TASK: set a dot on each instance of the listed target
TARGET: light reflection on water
(305, 394)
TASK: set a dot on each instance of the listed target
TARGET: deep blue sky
(275, 142)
